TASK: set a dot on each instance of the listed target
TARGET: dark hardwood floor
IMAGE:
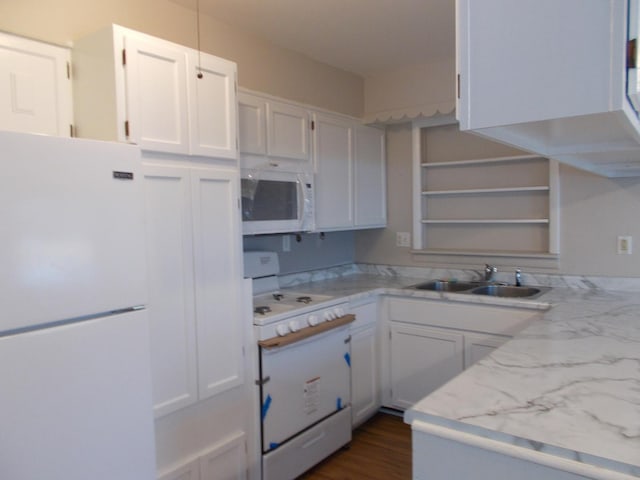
(380, 450)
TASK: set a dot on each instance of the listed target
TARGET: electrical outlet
(286, 243)
(403, 239)
(624, 245)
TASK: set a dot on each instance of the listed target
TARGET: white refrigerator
(75, 385)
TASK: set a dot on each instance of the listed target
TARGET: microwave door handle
(301, 203)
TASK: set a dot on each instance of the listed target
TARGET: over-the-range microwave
(276, 202)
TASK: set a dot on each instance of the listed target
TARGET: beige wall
(261, 66)
(406, 93)
(593, 212)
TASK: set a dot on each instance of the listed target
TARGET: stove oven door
(303, 383)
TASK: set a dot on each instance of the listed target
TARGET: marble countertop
(568, 385)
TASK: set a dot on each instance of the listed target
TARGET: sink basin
(508, 291)
(445, 286)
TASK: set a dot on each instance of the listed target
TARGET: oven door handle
(304, 333)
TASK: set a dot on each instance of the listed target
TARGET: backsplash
(629, 284)
(314, 251)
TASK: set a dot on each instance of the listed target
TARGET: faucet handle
(489, 271)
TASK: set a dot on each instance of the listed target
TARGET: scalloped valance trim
(407, 114)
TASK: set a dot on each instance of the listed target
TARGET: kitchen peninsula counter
(567, 386)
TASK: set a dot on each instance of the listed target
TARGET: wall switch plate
(625, 246)
(403, 239)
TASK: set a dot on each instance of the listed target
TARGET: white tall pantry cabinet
(132, 87)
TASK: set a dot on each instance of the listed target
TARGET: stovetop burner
(304, 299)
(277, 296)
(262, 310)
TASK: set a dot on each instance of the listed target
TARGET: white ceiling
(360, 36)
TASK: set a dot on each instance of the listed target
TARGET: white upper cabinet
(350, 168)
(273, 132)
(347, 158)
(35, 87)
(549, 77)
(252, 136)
(370, 180)
(136, 88)
(333, 158)
(212, 106)
(156, 94)
(287, 131)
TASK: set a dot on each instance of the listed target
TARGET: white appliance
(276, 201)
(74, 347)
(305, 372)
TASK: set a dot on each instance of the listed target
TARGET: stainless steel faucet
(489, 271)
(518, 277)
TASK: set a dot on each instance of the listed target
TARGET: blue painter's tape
(339, 403)
(265, 406)
(273, 445)
(347, 358)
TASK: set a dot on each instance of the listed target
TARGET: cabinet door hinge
(632, 56)
(72, 132)
(69, 70)
(126, 128)
(458, 85)
(124, 57)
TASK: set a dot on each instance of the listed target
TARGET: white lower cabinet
(422, 359)
(365, 373)
(432, 341)
(478, 345)
(226, 460)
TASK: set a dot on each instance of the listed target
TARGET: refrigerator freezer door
(76, 402)
(73, 232)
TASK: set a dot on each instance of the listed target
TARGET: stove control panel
(295, 323)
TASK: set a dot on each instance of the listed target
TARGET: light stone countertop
(568, 384)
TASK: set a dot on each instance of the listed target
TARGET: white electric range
(304, 371)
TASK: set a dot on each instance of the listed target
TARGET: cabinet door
(170, 266)
(333, 158)
(478, 346)
(156, 91)
(287, 131)
(226, 460)
(35, 89)
(365, 398)
(422, 359)
(541, 75)
(370, 205)
(252, 124)
(212, 106)
(218, 279)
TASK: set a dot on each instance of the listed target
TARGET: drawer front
(464, 316)
(308, 448)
